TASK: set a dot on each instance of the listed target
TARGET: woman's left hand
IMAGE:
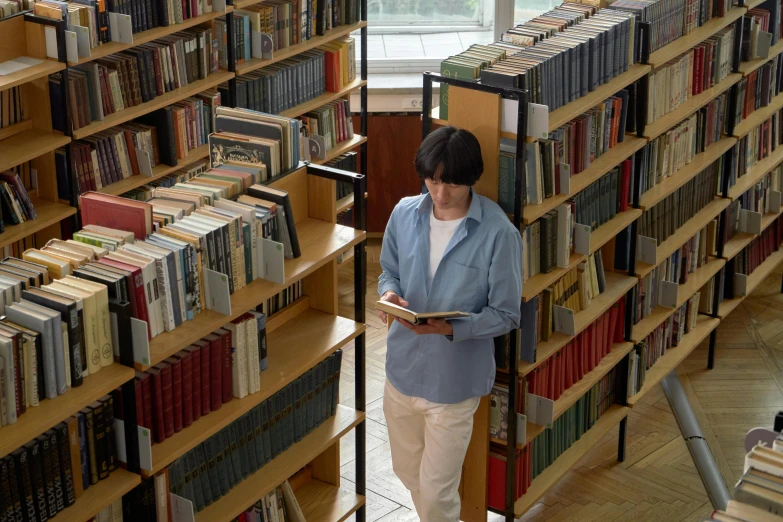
(431, 327)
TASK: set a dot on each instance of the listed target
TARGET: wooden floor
(658, 481)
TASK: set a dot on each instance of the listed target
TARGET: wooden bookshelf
(159, 171)
(667, 121)
(247, 492)
(536, 284)
(341, 148)
(29, 145)
(570, 111)
(609, 160)
(294, 348)
(51, 412)
(98, 496)
(322, 502)
(550, 476)
(49, 213)
(679, 178)
(323, 99)
(675, 355)
(753, 3)
(756, 173)
(684, 233)
(159, 102)
(647, 325)
(684, 43)
(617, 285)
(729, 305)
(148, 36)
(758, 116)
(742, 239)
(41, 70)
(581, 387)
(746, 68)
(345, 203)
(754, 279)
(288, 52)
(698, 279)
(606, 232)
(319, 241)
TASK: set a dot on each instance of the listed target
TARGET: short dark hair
(451, 154)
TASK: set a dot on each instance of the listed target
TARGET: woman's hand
(432, 327)
(393, 298)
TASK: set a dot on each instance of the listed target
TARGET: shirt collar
(424, 208)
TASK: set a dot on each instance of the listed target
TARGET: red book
(186, 362)
(139, 399)
(136, 294)
(176, 391)
(206, 377)
(116, 212)
(228, 376)
(167, 393)
(557, 375)
(496, 492)
(215, 370)
(147, 387)
(619, 334)
(159, 431)
(568, 380)
(607, 335)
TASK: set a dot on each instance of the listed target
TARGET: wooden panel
(322, 203)
(100, 496)
(277, 320)
(13, 130)
(28, 145)
(13, 40)
(296, 186)
(47, 176)
(321, 287)
(326, 466)
(36, 40)
(321, 502)
(323, 99)
(42, 70)
(37, 93)
(49, 214)
(474, 469)
(479, 112)
(53, 231)
(341, 148)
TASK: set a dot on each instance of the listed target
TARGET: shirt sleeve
(503, 310)
(390, 261)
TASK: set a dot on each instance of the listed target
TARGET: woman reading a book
(447, 250)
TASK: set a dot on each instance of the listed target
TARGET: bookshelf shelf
(753, 3)
(322, 502)
(159, 171)
(99, 496)
(667, 121)
(31, 73)
(674, 356)
(679, 178)
(686, 42)
(617, 285)
(50, 412)
(292, 310)
(742, 239)
(729, 305)
(544, 482)
(288, 52)
(575, 392)
(758, 116)
(341, 148)
(16, 128)
(746, 68)
(684, 233)
(49, 213)
(646, 326)
(323, 99)
(754, 279)
(698, 279)
(295, 347)
(148, 36)
(161, 101)
(581, 181)
(345, 203)
(536, 284)
(247, 492)
(29, 145)
(611, 228)
(568, 112)
(319, 241)
(756, 173)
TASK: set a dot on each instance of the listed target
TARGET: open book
(413, 317)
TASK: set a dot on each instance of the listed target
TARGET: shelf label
(741, 284)
(668, 294)
(537, 118)
(521, 428)
(145, 444)
(141, 341)
(262, 45)
(750, 221)
(121, 28)
(181, 509)
(218, 297)
(272, 256)
(50, 35)
(71, 46)
(647, 250)
(565, 178)
(540, 410)
(82, 39)
(564, 320)
(774, 202)
(582, 235)
(317, 146)
(763, 41)
(145, 162)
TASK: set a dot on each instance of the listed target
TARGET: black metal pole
(623, 440)
(232, 59)
(363, 91)
(360, 288)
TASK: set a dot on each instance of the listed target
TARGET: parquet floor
(658, 481)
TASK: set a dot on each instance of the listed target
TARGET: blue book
(84, 450)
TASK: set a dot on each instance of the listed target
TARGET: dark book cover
(192, 468)
(163, 121)
(279, 197)
(91, 445)
(66, 473)
(186, 367)
(33, 449)
(250, 442)
(176, 391)
(47, 470)
(194, 354)
(167, 395)
(100, 442)
(108, 420)
(225, 444)
(11, 493)
(84, 448)
(26, 491)
(54, 458)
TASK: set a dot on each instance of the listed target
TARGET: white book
(54, 364)
(8, 397)
(101, 292)
(253, 363)
(238, 359)
(163, 280)
(60, 345)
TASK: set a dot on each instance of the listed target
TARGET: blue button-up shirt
(480, 273)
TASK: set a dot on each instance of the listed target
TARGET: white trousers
(428, 445)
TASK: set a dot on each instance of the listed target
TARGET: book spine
(65, 464)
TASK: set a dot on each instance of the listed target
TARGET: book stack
(757, 494)
(332, 121)
(15, 204)
(546, 447)
(12, 7)
(757, 20)
(49, 473)
(255, 439)
(144, 192)
(757, 89)
(666, 217)
(758, 144)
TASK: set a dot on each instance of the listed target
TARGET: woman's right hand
(393, 298)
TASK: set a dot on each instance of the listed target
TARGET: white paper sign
(71, 47)
(262, 46)
(647, 250)
(750, 221)
(564, 320)
(521, 428)
(317, 146)
(540, 410)
(668, 294)
(145, 444)
(141, 341)
(537, 118)
(181, 509)
(273, 261)
(145, 162)
(50, 34)
(216, 292)
(83, 40)
(582, 235)
(565, 178)
(219, 5)
(121, 28)
(740, 284)
(774, 202)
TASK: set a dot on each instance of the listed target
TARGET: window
(425, 12)
(524, 10)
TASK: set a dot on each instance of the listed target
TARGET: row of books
(758, 250)
(202, 377)
(255, 439)
(535, 457)
(666, 217)
(759, 20)
(758, 144)
(144, 192)
(138, 75)
(12, 106)
(333, 121)
(48, 474)
(667, 335)
(12, 7)
(755, 199)
(347, 161)
(15, 203)
(279, 505)
(757, 89)
(758, 496)
(676, 148)
(696, 71)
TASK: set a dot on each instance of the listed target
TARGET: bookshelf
(321, 502)
(758, 116)
(104, 493)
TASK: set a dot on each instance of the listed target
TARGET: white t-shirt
(440, 235)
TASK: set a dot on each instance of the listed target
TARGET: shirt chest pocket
(464, 288)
